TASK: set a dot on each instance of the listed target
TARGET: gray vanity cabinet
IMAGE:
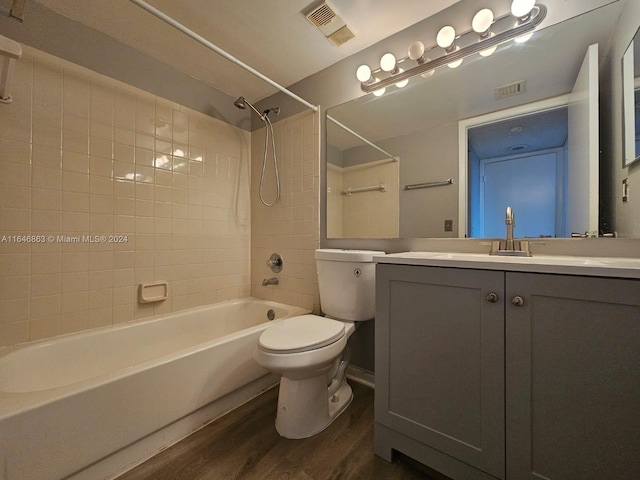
(486, 374)
(440, 368)
(572, 377)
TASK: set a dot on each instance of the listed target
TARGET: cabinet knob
(492, 297)
(518, 301)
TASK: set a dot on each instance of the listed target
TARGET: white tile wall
(84, 155)
(290, 228)
(367, 214)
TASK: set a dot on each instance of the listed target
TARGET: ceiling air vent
(510, 90)
(322, 16)
(341, 36)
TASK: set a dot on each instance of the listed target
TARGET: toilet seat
(301, 334)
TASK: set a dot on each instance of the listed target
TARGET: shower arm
(199, 38)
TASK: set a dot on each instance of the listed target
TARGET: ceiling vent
(341, 36)
(323, 17)
(510, 90)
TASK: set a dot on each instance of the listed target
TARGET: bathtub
(93, 404)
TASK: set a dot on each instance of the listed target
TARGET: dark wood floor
(244, 445)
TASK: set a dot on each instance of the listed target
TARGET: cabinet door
(573, 378)
(440, 364)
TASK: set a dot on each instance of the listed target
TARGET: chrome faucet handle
(275, 262)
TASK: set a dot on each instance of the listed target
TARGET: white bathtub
(91, 405)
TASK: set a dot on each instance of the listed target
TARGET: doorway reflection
(519, 162)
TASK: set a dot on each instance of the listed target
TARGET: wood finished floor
(244, 445)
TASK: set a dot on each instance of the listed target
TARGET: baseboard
(362, 376)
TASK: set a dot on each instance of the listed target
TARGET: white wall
(624, 217)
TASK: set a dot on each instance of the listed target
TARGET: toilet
(308, 351)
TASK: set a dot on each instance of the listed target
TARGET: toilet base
(305, 408)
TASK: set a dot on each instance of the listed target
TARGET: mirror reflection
(631, 98)
(427, 124)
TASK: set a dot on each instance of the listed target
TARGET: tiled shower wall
(372, 214)
(291, 227)
(162, 191)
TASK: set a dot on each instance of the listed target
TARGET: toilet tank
(346, 279)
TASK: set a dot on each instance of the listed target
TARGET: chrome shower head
(242, 104)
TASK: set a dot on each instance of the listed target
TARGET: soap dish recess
(153, 292)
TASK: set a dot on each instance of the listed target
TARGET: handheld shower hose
(242, 104)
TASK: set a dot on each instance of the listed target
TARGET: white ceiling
(274, 36)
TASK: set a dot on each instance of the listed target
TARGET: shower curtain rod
(368, 142)
(167, 19)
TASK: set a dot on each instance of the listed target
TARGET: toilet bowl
(309, 351)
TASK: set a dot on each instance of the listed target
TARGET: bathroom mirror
(420, 124)
(631, 99)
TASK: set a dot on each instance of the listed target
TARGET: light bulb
(388, 62)
(363, 73)
(428, 73)
(416, 51)
(488, 51)
(523, 38)
(482, 20)
(446, 37)
(402, 83)
(380, 91)
(522, 8)
(456, 63)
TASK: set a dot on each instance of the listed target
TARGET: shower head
(242, 104)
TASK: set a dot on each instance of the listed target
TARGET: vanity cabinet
(484, 374)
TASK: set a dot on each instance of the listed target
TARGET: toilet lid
(300, 334)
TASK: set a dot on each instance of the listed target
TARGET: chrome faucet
(269, 281)
(512, 248)
(510, 221)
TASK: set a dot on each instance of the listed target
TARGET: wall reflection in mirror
(421, 125)
(631, 99)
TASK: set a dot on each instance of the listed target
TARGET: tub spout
(269, 281)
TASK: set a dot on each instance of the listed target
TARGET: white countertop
(567, 265)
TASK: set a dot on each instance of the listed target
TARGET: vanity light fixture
(446, 39)
(363, 73)
(379, 92)
(481, 24)
(416, 53)
(523, 38)
(486, 34)
(388, 63)
(488, 51)
(402, 83)
(522, 8)
(482, 21)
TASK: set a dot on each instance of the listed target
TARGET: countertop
(557, 264)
